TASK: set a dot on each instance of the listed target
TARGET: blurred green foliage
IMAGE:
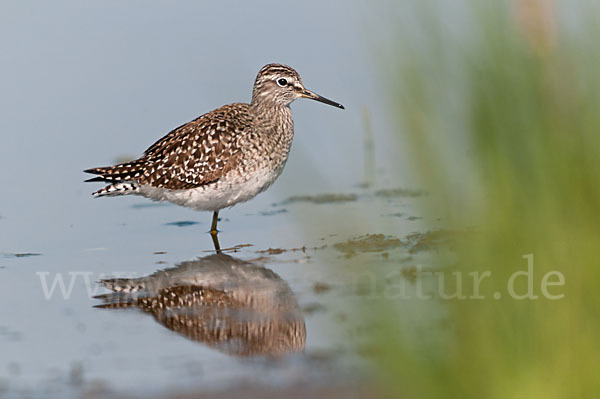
(502, 122)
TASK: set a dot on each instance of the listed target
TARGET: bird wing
(195, 154)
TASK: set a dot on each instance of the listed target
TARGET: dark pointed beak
(314, 96)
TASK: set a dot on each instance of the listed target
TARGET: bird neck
(271, 117)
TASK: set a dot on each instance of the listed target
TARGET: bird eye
(282, 82)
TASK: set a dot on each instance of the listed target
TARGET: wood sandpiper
(232, 305)
(222, 158)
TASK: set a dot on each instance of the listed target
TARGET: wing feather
(197, 153)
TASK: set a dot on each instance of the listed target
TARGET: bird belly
(228, 191)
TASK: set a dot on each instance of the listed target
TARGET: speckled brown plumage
(223, 157)
(226, 303)
(197, 153)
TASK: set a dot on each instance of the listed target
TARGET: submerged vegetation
(501, 118)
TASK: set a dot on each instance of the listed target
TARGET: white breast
(230, 190)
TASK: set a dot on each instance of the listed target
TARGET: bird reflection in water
(235, 306)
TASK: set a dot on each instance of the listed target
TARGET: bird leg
(213, 226)
(214, 232)
(215, 240)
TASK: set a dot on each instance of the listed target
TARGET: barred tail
(125, 292)
(117, 189)
(116, 301)
(122, 178)
(124, 285)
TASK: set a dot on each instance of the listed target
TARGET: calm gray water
(84, 83)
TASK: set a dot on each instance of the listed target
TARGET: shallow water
(63, 345)
(85, 84)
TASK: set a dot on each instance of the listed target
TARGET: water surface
(83, 84)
